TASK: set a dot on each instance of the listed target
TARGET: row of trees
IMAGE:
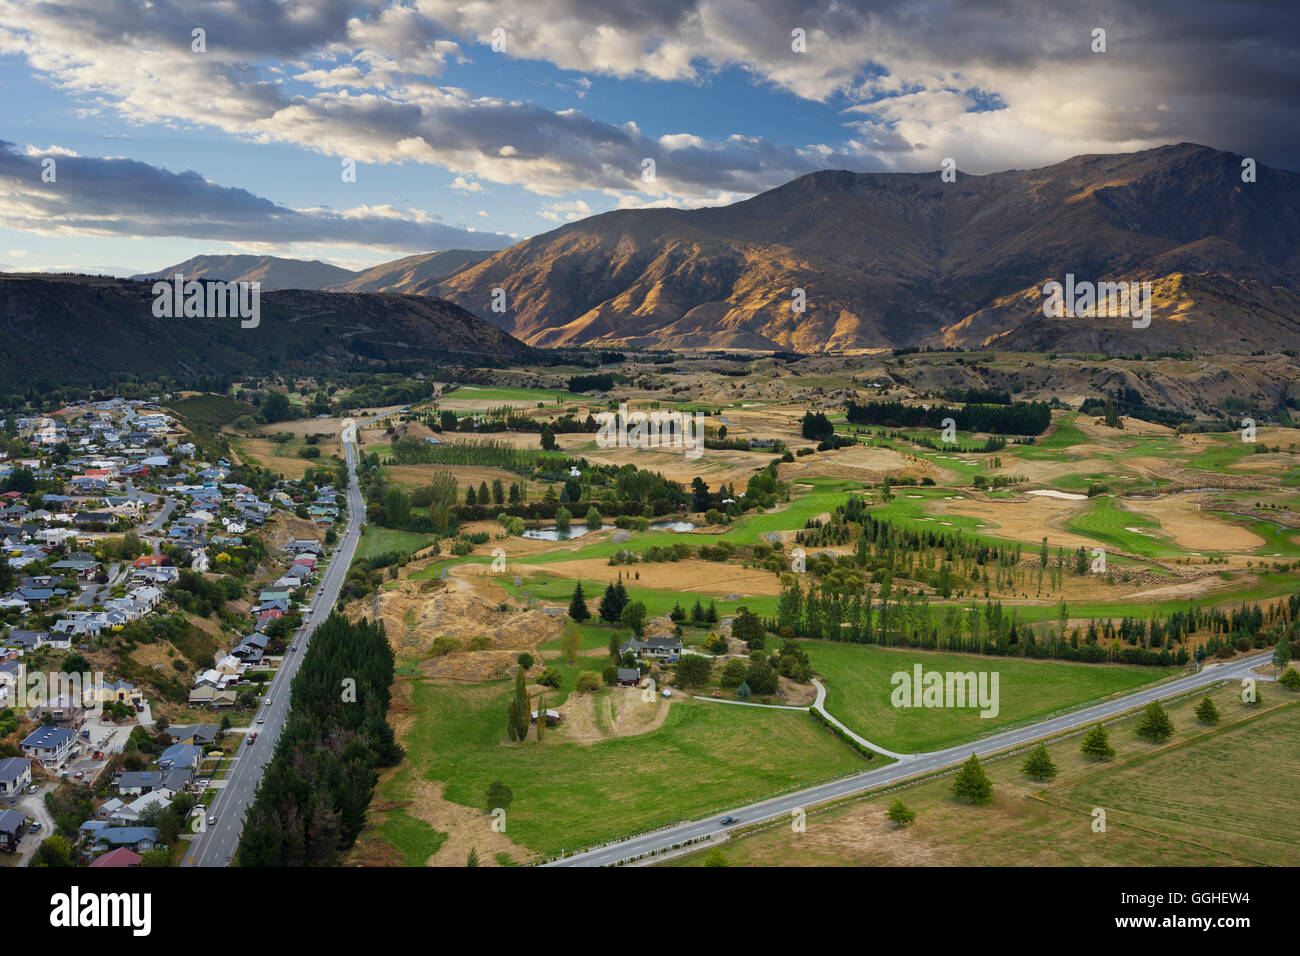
(312, 801)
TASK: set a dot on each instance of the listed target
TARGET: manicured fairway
(1107, 521)
(704, 759)
(858, 686)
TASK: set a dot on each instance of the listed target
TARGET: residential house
(141, 807)
(12, 826)
(138, 839)
(52, 746)
(658, 648)
(15, 776)
(118, 691)
(212, 697)
(118, 858)
(181, 757)
(199, 734)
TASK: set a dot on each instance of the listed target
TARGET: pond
(550, 533)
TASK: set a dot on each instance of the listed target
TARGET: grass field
(858, 689)
(1209, 797)
(505, 394)
(703, 759)
(381, 540)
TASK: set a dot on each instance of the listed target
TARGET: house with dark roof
(15, 776)
(656, 648)
(50, 745)
(135, 838)
(12, 825)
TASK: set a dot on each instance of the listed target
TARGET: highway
(909, 766)
(216, 846)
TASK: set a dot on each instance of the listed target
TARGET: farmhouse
(658, 648)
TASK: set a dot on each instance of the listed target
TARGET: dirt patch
(414, 620)
(466, 828)
(1182, 519)
(614, 712)
(690, 576)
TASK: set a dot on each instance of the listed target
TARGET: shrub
(899, 814)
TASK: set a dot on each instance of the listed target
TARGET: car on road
(212, 819)
(261, 720)
(725, 821)
(293, 647)
(35, 827)
(269, 702)
(252, 739)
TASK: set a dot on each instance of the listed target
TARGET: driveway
(33, 804)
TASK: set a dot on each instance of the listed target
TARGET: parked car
(36, 825)
(33, 788)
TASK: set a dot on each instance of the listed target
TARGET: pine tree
(612, 603)
(578, 605)
(1096, 744)
(1206, 712)
(1038, 764)
(972, 783)
(517, 714)
(711, 615)
(697, 613)
(1155, 725)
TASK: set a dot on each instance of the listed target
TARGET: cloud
(988, 83)
(122, 197)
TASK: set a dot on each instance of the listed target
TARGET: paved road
(158, 520)
(907, 767)
(217, 846)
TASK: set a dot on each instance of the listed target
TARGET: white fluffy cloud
(92, 196)
(989, 84)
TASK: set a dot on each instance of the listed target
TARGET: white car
(212, 820)
(261, 720)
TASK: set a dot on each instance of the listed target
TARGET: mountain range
(413, 274)
(907, 259)
(888, 260)
(85, 329)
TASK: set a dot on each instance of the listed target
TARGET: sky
(137, 133)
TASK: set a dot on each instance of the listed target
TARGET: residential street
(216, 846)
